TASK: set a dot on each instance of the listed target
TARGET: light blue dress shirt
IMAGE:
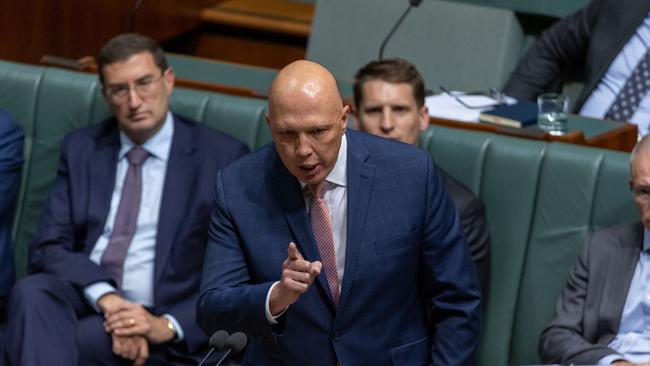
(138, 277)
(633, 339)
(614, 79)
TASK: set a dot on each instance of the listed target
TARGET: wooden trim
(278, 16)
(622, 138)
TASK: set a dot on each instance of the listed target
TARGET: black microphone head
(237, 342)
(415, 3)
(219, 340)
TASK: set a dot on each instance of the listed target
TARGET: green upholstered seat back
(540, 200)
(580, 189)
(51, 102)
(461, 46)
(254, 78)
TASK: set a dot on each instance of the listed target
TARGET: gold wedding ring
(132, 321)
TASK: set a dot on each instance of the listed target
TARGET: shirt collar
(157, 145)
(339, 174)
(646, 239)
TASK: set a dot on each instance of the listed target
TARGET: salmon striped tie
(321, 224)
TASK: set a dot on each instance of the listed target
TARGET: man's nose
(386, 122)
(134, 98)
(303, 147)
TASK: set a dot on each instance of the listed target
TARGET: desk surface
(582, 131)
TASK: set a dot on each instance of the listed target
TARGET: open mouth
(308, 168)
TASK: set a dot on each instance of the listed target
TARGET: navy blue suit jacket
(78, 205)
(11, 162)
(405, 252)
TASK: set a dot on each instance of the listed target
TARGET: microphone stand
(224, 357)
(390, 34)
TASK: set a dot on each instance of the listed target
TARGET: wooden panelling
(76, 28)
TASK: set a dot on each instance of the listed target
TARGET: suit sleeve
(57, 248)
(228, 301)
(450, 283)
(562, 340)
(11, 161)
(561, 50)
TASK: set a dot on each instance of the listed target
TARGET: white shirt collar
(157, 145)
(339, 174)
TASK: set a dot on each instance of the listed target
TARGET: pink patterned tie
(321, 224)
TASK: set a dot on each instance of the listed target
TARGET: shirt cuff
(272, 319)
(94, 292)
(177, 327)
(607, 360)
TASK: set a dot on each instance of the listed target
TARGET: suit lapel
(103, 165)
(360, 175)
(622, 266)
(179, 179)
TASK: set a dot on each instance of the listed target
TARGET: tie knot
(318, 189)
(137, 156)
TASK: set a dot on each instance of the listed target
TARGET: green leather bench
(540, 198)
(49, 102)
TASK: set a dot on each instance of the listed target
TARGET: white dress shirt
(138, 274)
(614, 79)
(337, 203)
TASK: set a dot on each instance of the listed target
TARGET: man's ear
(169, 78)
(423, 117)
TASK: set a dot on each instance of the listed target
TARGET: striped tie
(321, 224)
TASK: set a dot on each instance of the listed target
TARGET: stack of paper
(446, 106)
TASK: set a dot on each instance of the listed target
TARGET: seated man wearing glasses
(116, 263)
(602, 315)
(389, 102)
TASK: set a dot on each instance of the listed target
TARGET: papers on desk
(446, 106)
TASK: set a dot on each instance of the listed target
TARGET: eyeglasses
(498, 97)
(119, 93)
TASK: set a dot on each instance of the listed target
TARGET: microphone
(412, 4)
(235, 344)
(218, 341)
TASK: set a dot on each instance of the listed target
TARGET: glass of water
(552, 115)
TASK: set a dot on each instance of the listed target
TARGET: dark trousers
(50, 323)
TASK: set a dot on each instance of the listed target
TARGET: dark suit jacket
(472, 219)
(11, 162)
(405, 249)
(588, 313)
(580, 47)
(78, 205)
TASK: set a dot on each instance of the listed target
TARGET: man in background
(389, 102)
(115, 265)
(601, 316)
(603, 45)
